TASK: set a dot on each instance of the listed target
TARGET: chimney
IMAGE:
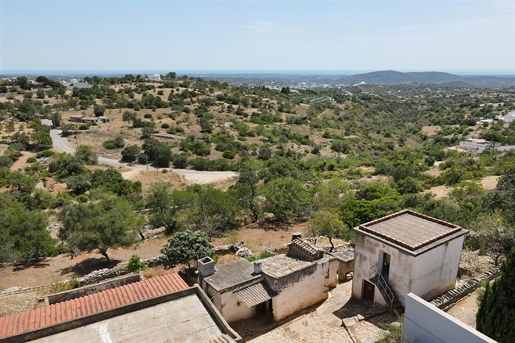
(206, 267)
(296, 235)
(257, 267)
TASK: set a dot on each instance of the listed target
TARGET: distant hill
(391, 77)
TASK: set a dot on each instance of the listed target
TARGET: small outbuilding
(278, 286)
(405, 252)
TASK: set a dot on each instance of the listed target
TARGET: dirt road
(200, 177)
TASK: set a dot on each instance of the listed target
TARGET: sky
(244, 35)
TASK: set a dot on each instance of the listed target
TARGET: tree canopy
(496, 313)
(185, 247)
(109, 223)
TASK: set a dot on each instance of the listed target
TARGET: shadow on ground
(353, 307)
(87, 266)
(39, 263)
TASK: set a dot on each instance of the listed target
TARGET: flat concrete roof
(181, 320)
(411, 230)
(282, 265)
(241, 271)
(232, 274)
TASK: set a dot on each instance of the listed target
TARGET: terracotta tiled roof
(90, 304)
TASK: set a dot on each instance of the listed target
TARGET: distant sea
(235, 72)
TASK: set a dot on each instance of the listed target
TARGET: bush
(83, 127)
(165, 126)
(110, 145)
(135, 264)
(74, 283)
(46, 153)
(31, 160)
(228, 154)
(262, 255)
(55, 251)
(82, 198)
(147, 115)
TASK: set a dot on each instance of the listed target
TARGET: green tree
(496, 236)
(111, 180)
(247, 192)
(327, 224)
(161, 206)
(135, 264)
(131, 153)
(57, 119)
(496, 312)
(64, 165)
(99, 110)
(129, 117)
(86, 155)
(185, 247)
(23, 233)
(78, 183)
(40, 93)
(503, 197)
(110, 223)
(287, 199)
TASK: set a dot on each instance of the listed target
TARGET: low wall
(425, 323)
(82, 291)
(445, 300)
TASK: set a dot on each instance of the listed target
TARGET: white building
(477, 145)
(277, 286)
(402, 253)
(509, 117)
(154, 77)
(424, 322)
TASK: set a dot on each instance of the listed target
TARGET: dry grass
(431, 130)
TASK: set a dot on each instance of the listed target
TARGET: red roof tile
(90, 304)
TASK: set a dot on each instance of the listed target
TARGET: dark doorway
(368, 291)
(385, 271)
(260, 308)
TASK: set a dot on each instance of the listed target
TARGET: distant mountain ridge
(392, 77)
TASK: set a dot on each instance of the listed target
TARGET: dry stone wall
(449, 298)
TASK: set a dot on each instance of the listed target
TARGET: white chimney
(257, 267)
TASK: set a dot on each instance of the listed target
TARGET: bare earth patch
(431, 130)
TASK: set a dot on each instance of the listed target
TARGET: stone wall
(447, 299)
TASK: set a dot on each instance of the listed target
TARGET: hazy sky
(448, 35)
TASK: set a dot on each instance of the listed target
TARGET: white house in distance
(477, 145)
(154, 77)
(508, 118)
(405, 252)
(278, 286)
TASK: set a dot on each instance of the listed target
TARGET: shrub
(135, 264)
(83, 127)
(110, 145)
(262, 255)
(228, 154)
(147, 115)
(74, 283)
(46, 153)
(171, 116)
(165, 126)
(55, 251)
(31, 160)
(82, 198)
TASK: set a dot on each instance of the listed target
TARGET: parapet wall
(82, 291)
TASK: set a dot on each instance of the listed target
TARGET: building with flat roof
(278, 286)
(162, 309)
(477, 145)
(405, 252)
